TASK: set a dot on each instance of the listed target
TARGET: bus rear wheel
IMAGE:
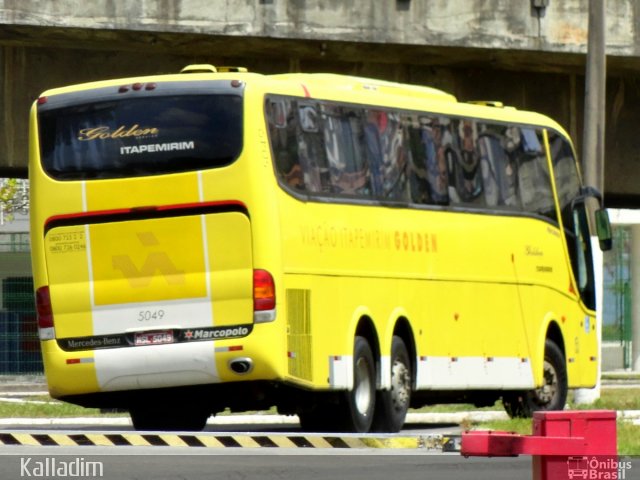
(320, 417)
(392, 404)
(168, 419)
(360, 401)
(552, 395)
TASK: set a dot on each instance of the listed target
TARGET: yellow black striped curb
(439, 443)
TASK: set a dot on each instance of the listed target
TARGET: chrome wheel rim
(400, 385)
(548, 391)
(363, 386)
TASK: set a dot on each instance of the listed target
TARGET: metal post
(595, 93)
(593, 144)
(626, 329)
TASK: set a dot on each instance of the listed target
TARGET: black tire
(552, 395)
(392, 404)
(320, 417)
(359, 405)
(168, 420)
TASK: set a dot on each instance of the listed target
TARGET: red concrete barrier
(565, 444)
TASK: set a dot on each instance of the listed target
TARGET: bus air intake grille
(299, 333)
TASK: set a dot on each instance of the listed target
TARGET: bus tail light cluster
(45, 314)
(264, 297)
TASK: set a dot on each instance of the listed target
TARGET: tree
(14, 198)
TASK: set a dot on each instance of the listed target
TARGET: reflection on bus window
(282, 130)
(534, 181)
(565, 170)
(311, 151)
(330, 149)
(344, 143)
(497, 145)
(463, 160)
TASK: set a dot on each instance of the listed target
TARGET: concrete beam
(510, 25)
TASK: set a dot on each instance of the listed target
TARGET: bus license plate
(153, 338)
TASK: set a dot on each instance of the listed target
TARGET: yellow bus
(339, 247)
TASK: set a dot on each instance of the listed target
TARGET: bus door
(574, 217)
(582, 348)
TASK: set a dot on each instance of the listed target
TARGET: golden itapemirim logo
(123, 131)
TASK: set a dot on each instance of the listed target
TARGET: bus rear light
(42, 100)
(123, 89)
(78, 361)
(264, 291)
(45, 313)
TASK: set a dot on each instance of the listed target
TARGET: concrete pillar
(635, 297)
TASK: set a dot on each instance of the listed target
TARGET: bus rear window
(139, 137)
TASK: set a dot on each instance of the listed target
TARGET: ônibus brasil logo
(597, 468)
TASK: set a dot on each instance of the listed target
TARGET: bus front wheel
(551, 395)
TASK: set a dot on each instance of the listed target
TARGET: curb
(433, 443)
(250, 419)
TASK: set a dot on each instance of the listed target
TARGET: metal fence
(616, 308)
(19, 345)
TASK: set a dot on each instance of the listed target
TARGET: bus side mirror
(603, 229)
(603, 225)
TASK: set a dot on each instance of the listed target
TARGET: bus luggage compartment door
(189, 275)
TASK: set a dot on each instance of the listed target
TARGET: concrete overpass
(526, 53)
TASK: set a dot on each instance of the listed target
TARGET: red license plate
(153, 338)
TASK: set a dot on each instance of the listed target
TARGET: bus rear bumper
(152, 367)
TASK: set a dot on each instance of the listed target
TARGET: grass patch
(614, 399)
(610, 399)
(521, 426)
(47, 409)
(621, 376)
(628, 438)
(456, 407)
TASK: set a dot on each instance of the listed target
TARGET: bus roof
(360, 87)
(352, 83)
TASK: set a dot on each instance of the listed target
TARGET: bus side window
(565, 170)
(499, 172)
(394, 158)
(416, 171)
(344, 143)
(373, 143)
(534, 181)
(460, 136)
(311, 151)
(437, 140)
(282, 132)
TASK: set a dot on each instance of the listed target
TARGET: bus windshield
(140, 137)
